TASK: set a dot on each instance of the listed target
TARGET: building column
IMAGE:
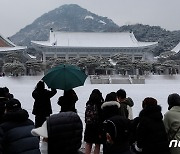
(67, 56)
(143, 56)
(132, 57)
(44, 57)
(55, 55)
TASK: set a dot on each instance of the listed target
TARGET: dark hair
(121, 93)
(149, 101)
(40, 85)
(173, 100)
(6, 89)
(2, 92)
(70, 95)
(95, 97)
(111, 97)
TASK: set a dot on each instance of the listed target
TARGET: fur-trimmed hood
(110, 109)
(109, 104)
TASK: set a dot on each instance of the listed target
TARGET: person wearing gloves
(61, 132)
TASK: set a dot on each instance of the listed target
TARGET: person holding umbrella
(68, 100)
(42, 105)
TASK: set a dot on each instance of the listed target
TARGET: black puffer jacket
(15, 134)
(42, 104)
(64, 133)
(151, 134)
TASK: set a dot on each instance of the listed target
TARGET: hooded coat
(118, 127)
(15, 134)
(110, 109)
(151, 133)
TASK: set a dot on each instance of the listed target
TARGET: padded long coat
(64, 133)
(15, 134)
(151, 133)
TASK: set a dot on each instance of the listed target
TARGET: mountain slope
(65, 18)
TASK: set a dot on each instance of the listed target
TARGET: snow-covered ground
(156, 86)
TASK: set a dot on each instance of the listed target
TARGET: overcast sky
(16, 14)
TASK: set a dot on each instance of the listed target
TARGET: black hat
(13, 104)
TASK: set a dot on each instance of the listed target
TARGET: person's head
(61, 100)
(12, 105)
(6, 89)
(110, 108)
(7, 94)
(40, 85)
(70, 95)
(95, 96)
(121, 94)
(2, 92)
(149, 101)
(111, 97)
(173, 100)
(116, 129)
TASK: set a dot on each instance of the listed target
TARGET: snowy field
(158, 87)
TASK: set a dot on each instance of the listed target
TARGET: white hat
(40, 131)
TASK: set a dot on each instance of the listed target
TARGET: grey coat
(172, 122)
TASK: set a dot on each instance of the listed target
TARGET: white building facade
(83, 44)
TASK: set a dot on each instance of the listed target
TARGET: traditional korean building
(6, 45)
(83, 44)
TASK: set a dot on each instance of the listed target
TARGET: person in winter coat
(110, 110)
(92, 134)
(42, 105)
(68, 101)
(62, 133)
(110, 107)
(117, 134)
(151, 136)
(15, 131)
(172, 121)
(126, 104)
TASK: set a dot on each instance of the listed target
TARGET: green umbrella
(64, 77)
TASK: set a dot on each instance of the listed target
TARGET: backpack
(91, 114)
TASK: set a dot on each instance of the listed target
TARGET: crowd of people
(109, 123)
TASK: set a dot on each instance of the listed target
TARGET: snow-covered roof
(89, 17)
(31, 56)
(176, 48)
(7, 45)
(93, 40)
(2, 49)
